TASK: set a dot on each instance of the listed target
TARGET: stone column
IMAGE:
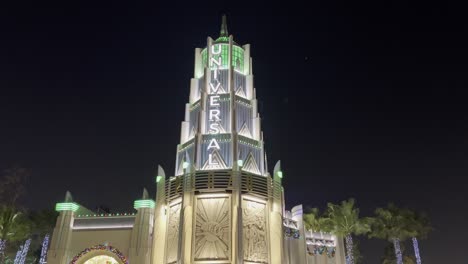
(276, 218)
(160, 220)
(141, 242)
(340, 256)
(187, 215)
(236, 209)
(301, 252)
(59, 251)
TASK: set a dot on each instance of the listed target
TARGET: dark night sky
(364, 101)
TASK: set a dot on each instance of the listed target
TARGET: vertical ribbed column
(59, 251)
(187, 216)
(236, 207)
(246, 60)
(61, 238)
(340, 256)
(198, 71)
(301, 252)
(276, 218)
(140, 240)
(160, 222)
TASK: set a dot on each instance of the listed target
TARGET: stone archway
(99, 251)
(102, 259)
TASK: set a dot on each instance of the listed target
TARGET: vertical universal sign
(216, 60)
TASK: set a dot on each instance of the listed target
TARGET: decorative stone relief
(212, 232)
(251, 165)
(173, 233)
(254, 229)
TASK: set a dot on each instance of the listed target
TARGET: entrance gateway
(100, 254)
(102, 259)
(222, 205)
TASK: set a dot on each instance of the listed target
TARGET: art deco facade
(221, 206)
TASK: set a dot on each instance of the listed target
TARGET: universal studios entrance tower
(222, 205)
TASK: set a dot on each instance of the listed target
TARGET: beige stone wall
(119, 239)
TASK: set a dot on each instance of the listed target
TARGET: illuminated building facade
(221, 206)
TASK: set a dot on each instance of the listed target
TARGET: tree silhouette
(344, 221)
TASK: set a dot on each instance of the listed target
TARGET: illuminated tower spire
(221, 206)
(224, 30)
(222, 124)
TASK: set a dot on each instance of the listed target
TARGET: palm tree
(421, 225)
(314, 221)
(389, 256)
(13, 227)
(344, 222)
(42, 224)
(394, 225)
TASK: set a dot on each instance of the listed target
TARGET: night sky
(358, 100)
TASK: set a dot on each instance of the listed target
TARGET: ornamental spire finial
(145, 194)
(224, 30)
(68, 197)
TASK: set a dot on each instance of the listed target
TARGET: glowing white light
(280, 174)
(213, 144)
(214, 128)
(214, 89)
(416, 250)
(214, 115)
(214, 100)
(217, 61)
(102, 259)
(216, 49)
(45, 245)
(22, 252)
(211, 161)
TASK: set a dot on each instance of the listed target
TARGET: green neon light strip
(280, 174)
(222, 39)
(66, 207)
(158, 178)
(143, 204)
(237, 57)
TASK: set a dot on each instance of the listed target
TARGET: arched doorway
(102, 259)
(100, 254)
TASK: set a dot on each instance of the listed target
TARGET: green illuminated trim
(204, 55)
(224, 38)
(250, 142)
(185, 145)
(280, 174)
(185, 165)
(240, 163)
(237, 57)
(143, 204)
(66, 207)
(158, 178)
